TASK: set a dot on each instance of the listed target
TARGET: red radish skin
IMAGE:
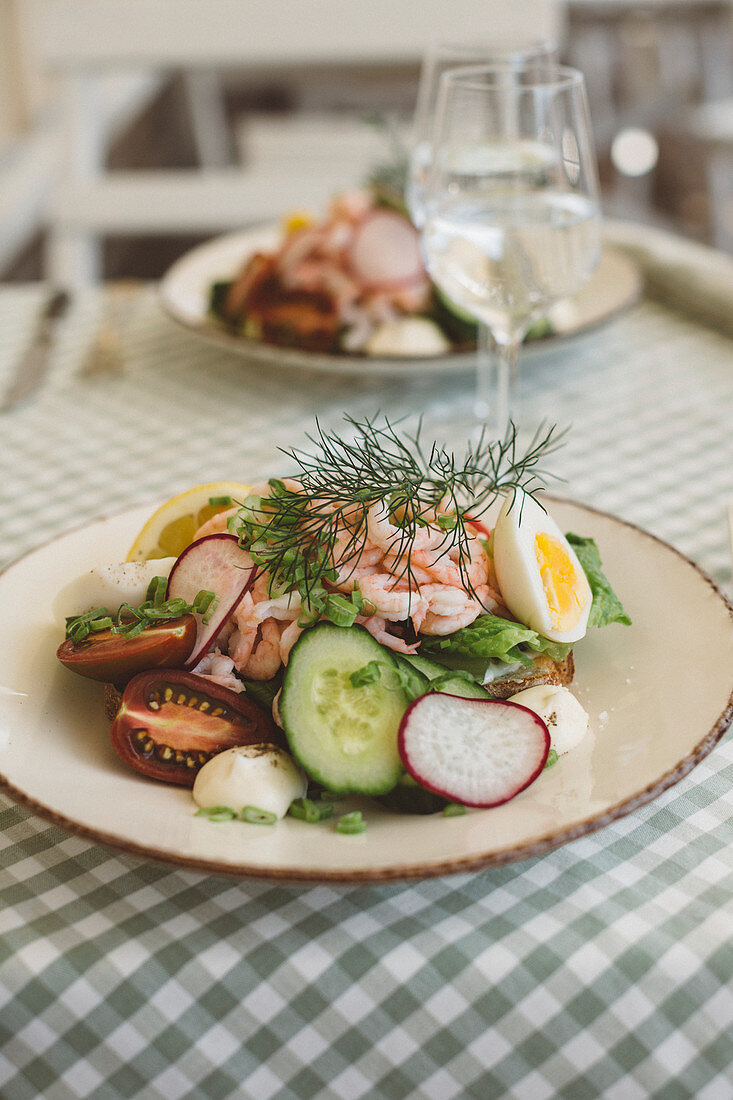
(218, 564)
(504, 747)
(385, 252)
(478, 526)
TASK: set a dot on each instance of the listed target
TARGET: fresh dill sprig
(303, 533)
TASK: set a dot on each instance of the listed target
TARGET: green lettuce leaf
(491, 638)
(606, 607)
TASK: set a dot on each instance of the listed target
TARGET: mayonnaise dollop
(262, 776)
(561, 712)
(407, 336)
(109, 586)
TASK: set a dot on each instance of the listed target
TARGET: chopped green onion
(340, 610)
(369, 674)
(156, 591)
(203, 601)
(255, 816)
(224, 501)
(447, 523)
(552, 758)
(101, 624)
(130, 621)
(305, 809)
(216, 813)
(350, 824)
(78, 626)
(453, 809)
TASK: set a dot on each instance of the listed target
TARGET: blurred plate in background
(615, 286)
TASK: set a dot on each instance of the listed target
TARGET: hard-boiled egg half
(541, 580)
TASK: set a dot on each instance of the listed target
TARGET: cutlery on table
(106, 353)
(32, 366)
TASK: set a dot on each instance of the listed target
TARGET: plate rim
(408, 872)
(294, 358)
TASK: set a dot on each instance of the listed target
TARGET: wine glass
(439, 58)
(511, 210)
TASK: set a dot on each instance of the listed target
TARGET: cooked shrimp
(407, 567)
(351, 205)
(265, 658)
(392, 599)
(377, 627)
(393, 539)
(244, 634)
(283, 608)
(218, 668)
(288, 638)
(448, 609)
(460, 566)
(352, 564)
(216, 525)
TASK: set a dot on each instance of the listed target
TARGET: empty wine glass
(439, 57)
(511, 214)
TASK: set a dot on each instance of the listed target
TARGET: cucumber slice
(414, 681)
(424, 665)
(455, 321)
(450, 684)
(447, 682)
(345, 737)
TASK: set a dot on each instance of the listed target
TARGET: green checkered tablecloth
(602, 969)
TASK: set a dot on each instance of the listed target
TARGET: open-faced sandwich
(353, 282)
(360, 627)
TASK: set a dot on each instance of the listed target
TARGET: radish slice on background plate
(386, 251)
(479, 752)
(218, 564)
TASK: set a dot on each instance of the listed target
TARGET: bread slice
(543, 671)
(112, 701)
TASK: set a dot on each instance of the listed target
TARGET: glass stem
(497, 368)
(482, 406)
(507, 376)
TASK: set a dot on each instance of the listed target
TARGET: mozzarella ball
(109, 586)
(540, 578)
(261, 776)
(561, 712)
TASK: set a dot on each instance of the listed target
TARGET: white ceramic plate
(184, 294)
(656, 706)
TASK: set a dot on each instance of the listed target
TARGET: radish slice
(218, 564)
(386, 251)
(479, 752)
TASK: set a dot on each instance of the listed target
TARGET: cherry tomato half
(116, 658)
(170, 722)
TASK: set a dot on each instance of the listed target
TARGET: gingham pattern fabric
(600, 970)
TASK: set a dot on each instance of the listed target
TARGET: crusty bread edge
(543, 671)
(112, 701)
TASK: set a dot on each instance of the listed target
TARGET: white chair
(82, 41)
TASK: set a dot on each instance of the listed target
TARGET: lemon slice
(171, 528)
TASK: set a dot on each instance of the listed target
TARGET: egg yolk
(559, 581)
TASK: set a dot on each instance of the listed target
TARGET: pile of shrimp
(435, 586)
(320, 291)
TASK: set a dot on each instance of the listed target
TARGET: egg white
(520, 521)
